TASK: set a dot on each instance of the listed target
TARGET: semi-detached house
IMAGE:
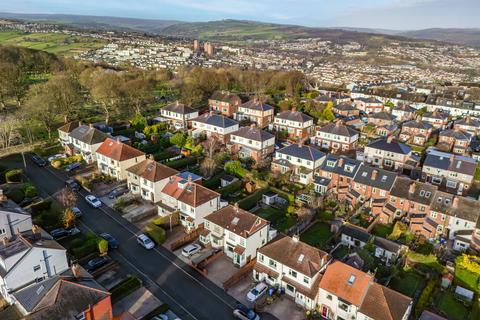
(296, 124)
(255, 111)
(293, 265)
(178, 113)
(252, 142)
(237, 232)
(214, 126)
(13, 218)
(389, 154)
(336, 137)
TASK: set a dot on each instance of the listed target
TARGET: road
(189, 294)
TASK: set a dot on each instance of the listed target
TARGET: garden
(318, 235)
(280, 218)
(408, 283)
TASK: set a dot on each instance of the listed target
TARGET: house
(191, 200)
(178, 114)
(114, 158)
(348, 293)
(346, 110)
(214, 126)
(64, 132)
(388, 154)
(301, 160)
(27, 258)
(354, 236)
(296, 124)
(224, 102)
(455, 141)
(237, 232)
(437, 119)
(386, 250)
(339, 171)
(64, 297)
(297, 272)
(147, 178)
(336, 137)
(227, 180)
(386, 131)
(369, 105)
(468, 124)
(85, 140)
(13, 219)
(403, 112)
(416, 132)
(256, 112)
(451, 173)
(463, 219)
(380, 119)
(371, 185)
(252, 142)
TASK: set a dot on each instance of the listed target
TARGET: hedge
(30, 190)
(250, 201)
(231, 188)
(15, 194)
(41, 206)
(155, 232)
(84, 246)
(66, 161)
(13, 175)
(214, 182)
(182, 163)
(288, 196)
(425, 297)
(125, 287)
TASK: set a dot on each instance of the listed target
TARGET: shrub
(164, 221)
(425, 297)
(231, 188)
(467, 272)
(235, 168)
(15, 194)
(30, 190)
(13, 175)
(58, 163)
(250, 201)
(87, 247)
(155, 232)
(182, 163)
(125, 287)
(41, 206)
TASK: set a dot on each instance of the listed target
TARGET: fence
(239, 275)
(192, 236)
(19, 148)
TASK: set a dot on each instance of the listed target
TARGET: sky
(385, 14)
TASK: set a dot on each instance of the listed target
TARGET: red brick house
(297, 124)
(224, 102)
(416, 132)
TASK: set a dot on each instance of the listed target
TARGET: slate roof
(456, 134)
(382, 116)
(301, 257)
(468, 121)
(435, 115)
(302, 151)
(422, 192)
(118, 151)
(216, 120)
(256, 105)
(88, 134)
(427, 315)
(237, 220)
(442, 202)
(418, 125)
(152, 170)
(253, 133)
(338, 129)
(405, 108)
(225, 96)
(384, 303)
(340, 165)
(296, 116)
(356, 232)
(69, 127)
(465, 208)
(393, 146)
(345, 107)
(370, 100)
(180, 108)
(384, 179)
(386, 244)
(450, 162)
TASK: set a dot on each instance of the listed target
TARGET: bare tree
(67, 198)
(8, 130)
(207, 167)
(211, 146)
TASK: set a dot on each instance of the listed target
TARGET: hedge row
(155, 232)
(425, 297)
(182, 163)
(58, 163)
(288, 196)
(231, 188)
(125, 287)
(85, 245)
(250, 201)
(13, 175)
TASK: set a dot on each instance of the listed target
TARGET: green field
(62, 44)
(317, 235)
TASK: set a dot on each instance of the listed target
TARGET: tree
(13, 83)
(211, 146)
(41, 108)
(68, 218)
(207, 167)
(8, 130)
(67, 198)
(63, 91)
(327, 113)
(103, 247)
(179, 139)
(139, 122)
(106, 91)
(138, 93)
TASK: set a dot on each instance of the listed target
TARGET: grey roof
(88, 134)
(356, 232)
(451, 162)
(412, 190)
(465, 208)
(338, 129)
(179, 108)
(442, 202)
(435, 115)
(370, 100)
(418, 124)
(332, 164)
(345, 107)
(384, 179)
(8, 206)
(253, 133)
(256, 105)
(404, 108)
(392, 146)
(216, 120)
(381, 115)
(386, 244)
(294, 116)
(468, 121)
(302, 151)
(322, 181)
(457, 134)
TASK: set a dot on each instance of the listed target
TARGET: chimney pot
(389, 139)
(374, 174)
(455, 202)
(412, 187)
(294, 109)
(340, 162)
(90, 125)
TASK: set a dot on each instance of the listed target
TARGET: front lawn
(317, 235)
(278, 217)
(407, 283)
(382, 230)
(452, 308)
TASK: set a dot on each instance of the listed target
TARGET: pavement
(187, 292)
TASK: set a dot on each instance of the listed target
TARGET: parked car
(244, 313)
(117, 192)
(178, 125)
(160, 317)
(72, 184)
(112, 242)
(39, 161)
(73, 231)
(191, 249)
(77, 212)
(56, 156)
(59, 233)
(256, 292)
(97, 263)
(93, 201)
(72, 166)
(145, 241)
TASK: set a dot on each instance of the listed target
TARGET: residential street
(189, 294)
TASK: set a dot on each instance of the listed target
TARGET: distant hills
(233, 30)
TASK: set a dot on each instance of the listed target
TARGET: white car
(145, 241)
(93, 201)
(257, 291)
(190, 250)
(77, 212)
(56, 156)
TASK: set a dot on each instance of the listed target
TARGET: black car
(117, 193)
(59, 233)
(72, 184)
(112, 242)
(97, 263)
(39, 161)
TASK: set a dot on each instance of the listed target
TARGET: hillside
(470, 37)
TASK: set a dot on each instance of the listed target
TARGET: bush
(425, 297)
(182, 163)
(235, 168)
(250, 201)
(30, 190)
(13, 175)
(41, 206)
(164, 221)
(155, 232)
(231, 188)
(125, 287)
(58, 163)
(86, 245)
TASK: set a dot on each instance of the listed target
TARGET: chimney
(389, 139)
(411, 189)
(236, 207)
(5, 241)
(338, 123)
(295, 238)
(76, 270)
(340, 162)
(211, 113)
(300, 143)
(80, 123)
(117, 139)
(177, 103)
(374, 174)
(294, 109)
(190, 179)
(455, 202)
(252, 125)
(90, 125)
(3, 197)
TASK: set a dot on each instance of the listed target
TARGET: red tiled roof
(191, 193)
(118, 151)
(152, 170)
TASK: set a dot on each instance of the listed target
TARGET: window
(36, 268)
(329, 297)
(272, 263)
(293, 273)
(343, 306)
(306, 280)
(260, 257)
